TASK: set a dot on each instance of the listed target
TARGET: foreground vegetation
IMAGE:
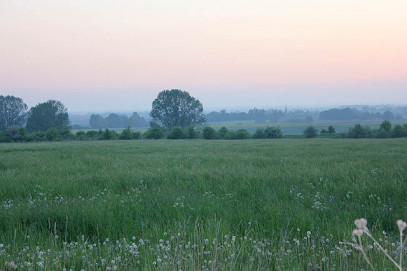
(16, 134)
(255, 204)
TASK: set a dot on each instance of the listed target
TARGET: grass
(286, 204)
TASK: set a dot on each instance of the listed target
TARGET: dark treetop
(176, 108)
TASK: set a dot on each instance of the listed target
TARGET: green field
(198, 204)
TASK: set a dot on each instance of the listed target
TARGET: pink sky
(105, 55)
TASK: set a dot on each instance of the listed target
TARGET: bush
(310, 132)
(192, 133)
(137, 135)
(383, 133)
(240, 134)
(358, 131)
(126, 134)
(398, 131)
(13, 134)
(154, 133)
(92, 135)
(386, 126)
(107, 134)
(176, 133)
(52, 134)
(273, 132)
(81, 135)
(259, 134)
(209, 133)
(37, 136)
(331, 130)
(223, 133)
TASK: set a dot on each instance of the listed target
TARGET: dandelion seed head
(361, 223)
(402, 225)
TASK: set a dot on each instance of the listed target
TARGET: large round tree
(51, 114)
(12, 112)
(176, 108)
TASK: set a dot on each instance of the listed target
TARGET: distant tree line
(175, 115)
(385, 130)
(258, 115)
(50, 114)
(16, 134)
(113, 120)
(349, 114)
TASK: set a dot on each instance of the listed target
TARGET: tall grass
(289, 204)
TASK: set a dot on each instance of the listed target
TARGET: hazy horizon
(97, 56)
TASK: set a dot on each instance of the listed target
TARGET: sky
(100, 55)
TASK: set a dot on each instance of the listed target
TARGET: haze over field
(104, 55)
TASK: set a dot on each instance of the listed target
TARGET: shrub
(52, 134)
(358, 131)
(383, 133)
(13, 134)
(240, 134)
(223, 133)
(81, 135)
(192, 133)
(137, 135)
(176, 133)
(209, 133)
(310, 132)
(92, 135)
(126, 134)
(398, 131)
(107, 134)
(331, 129)
(154, 133)
(36, 137)
(273, 132)
(386, 126)
(259, 134)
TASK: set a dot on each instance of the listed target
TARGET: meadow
(281, 204)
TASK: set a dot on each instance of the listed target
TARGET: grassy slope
(119, 189)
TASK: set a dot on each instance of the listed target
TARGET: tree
(358, 131)
(136, 121)
(51, 114)
(310, 132)
(272, 132)
(209, 133)
(13, 112)
(176, 108)
(126, 134)
(331, 130)
(386, 125)
(398, 131)
(116, 121)
(92, 134)
(96, 121)
(223, 133)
